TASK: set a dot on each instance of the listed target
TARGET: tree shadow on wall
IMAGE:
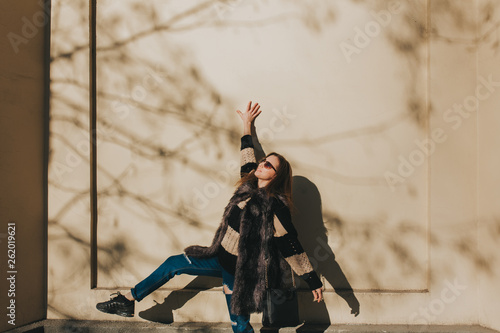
(308, 220)
(173, 100)
(163, 312)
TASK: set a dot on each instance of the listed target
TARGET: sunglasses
(267, 165)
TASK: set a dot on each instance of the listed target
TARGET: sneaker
(118, 305)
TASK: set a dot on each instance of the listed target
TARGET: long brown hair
(280, 184)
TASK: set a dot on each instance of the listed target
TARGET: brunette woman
(257, 217)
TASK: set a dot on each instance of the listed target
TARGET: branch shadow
(173, 100)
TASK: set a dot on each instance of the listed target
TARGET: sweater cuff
(246, 141)
(312, 280)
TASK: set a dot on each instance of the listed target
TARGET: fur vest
(256, 234)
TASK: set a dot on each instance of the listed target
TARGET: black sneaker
(118, 305)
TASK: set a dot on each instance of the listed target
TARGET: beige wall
(488, 126)
(393, 186)
(23, 158)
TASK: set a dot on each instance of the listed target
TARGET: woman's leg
(239, 323)
(175, 265)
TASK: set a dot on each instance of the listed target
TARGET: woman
(257, 217)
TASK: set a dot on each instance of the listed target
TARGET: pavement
(91, 326)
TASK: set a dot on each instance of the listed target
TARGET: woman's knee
(175, 264)
(178, 260)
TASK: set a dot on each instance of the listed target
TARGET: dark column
(24, 92)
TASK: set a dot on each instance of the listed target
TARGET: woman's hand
(249, 116)
(318, 295)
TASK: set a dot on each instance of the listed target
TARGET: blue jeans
(182, 264)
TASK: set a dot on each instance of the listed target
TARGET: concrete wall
(372, 102)
(23, 161)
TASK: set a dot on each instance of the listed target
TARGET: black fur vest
(256, 233)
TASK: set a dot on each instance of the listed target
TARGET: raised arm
(258, 149)
(247, 152)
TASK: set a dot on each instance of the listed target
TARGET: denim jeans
(183, 264)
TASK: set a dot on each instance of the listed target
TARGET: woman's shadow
(308, 220)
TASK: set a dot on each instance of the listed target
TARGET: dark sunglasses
(268, 165)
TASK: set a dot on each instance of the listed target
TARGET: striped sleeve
(247, 161)
(289, 246)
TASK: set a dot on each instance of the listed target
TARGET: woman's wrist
(247, 128)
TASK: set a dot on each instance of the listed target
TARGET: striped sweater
(285, 235)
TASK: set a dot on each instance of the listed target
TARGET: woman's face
(266, 170)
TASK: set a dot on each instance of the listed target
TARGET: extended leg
(124, 305)
(175, 265)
